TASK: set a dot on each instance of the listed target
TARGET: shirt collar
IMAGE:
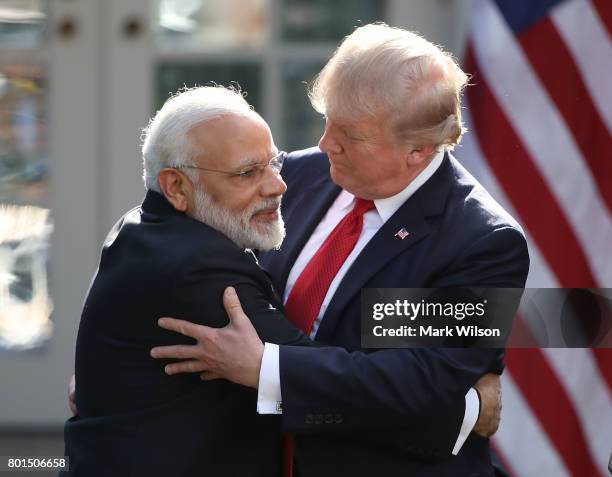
(389, 205)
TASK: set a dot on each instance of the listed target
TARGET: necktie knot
(362, 206)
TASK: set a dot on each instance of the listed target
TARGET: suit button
(329, 419)
(338, 418)
(319, 419)
(309, 419)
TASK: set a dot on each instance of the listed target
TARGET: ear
(418, 155)
(176, 188)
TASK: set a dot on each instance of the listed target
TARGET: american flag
(402, 234)
(539, 113)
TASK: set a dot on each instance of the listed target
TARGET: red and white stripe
(581, 28)
(540, 119)
(517, 453)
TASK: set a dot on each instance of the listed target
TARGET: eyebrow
(247, 161)
(251, 161)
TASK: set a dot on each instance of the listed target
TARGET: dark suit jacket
(134, 420)
(338, 403)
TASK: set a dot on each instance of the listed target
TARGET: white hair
(165, 141)
(393, 74)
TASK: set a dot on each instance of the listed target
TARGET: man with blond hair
(381, 203)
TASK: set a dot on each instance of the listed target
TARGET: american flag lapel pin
(402, 233)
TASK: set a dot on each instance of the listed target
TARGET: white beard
(237, 226)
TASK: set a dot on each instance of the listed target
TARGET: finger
(192, 366)
(209, 376)
(181, 326)
(232, 305)
(175, 352)
(72, 395)
(72, 403)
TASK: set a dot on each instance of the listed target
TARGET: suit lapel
(429, 200)
(301, 220)
(379, 251)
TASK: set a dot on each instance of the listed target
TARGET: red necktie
(310, 288)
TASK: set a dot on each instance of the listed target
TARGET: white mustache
(267, 204)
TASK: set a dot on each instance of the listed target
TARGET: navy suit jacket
(339, 403)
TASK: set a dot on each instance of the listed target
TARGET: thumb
(232, 306)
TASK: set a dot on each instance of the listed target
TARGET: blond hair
(389, 73)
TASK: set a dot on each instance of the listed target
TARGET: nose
(273, 184)
(328, 142)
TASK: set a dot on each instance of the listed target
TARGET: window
(271, 48)
(25, 305)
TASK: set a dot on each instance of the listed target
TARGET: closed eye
(351, 137)
(251, 171)
(247, 172)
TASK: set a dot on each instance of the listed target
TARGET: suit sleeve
(499, 259)
(418, 391)
(199, 297)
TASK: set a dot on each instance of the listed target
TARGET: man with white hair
(382, 204)
(212, 173)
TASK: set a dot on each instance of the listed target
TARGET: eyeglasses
(249, 172)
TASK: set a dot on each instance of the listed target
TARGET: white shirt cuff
(472, 408)
(269, 399)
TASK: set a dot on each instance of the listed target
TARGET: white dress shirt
(269, 394)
